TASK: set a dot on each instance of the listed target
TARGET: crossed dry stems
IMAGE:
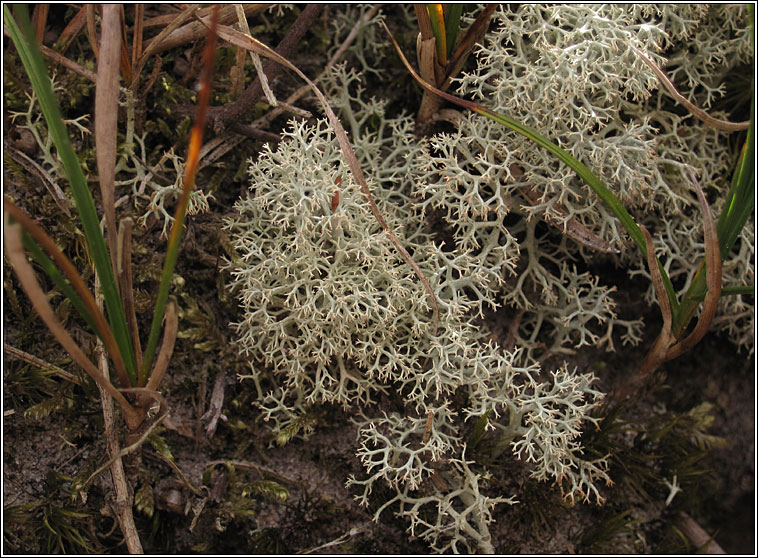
(666, 345)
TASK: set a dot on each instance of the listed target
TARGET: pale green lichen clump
(569, 71)
(332, 310)
(331, 313)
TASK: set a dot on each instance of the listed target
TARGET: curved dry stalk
(106, 119)
(245, 28)
(696, 111)
(77, 283)
(170, 328)
(712, 280)
(250, 43)
(665, 347)
(657, 353)
(27, 279)
(284, 106)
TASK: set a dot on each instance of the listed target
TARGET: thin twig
(91, 31)
(127, 450)
(39, 363)
(233, 113)
(192, 31)
(260, 469)
(340, 540)
(123, 501)
(33, 167)
(170, 462)
(245, 28)
(72, 29)
(68, 63)
(696, 111)
(269, 116)
(699, 538)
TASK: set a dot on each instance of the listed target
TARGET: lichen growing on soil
(279, 485)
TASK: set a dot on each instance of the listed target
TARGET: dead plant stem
(123, 503)
(124, 497)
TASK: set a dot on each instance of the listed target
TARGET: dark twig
(232, 114)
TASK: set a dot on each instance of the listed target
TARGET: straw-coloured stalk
(106, 119)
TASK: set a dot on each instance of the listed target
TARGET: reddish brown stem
(233, 114)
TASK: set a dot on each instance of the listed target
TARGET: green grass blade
(60, 281)
(35, 68)
(737, 209)
(437, 20)
(586, 174)
(591, 179)
(740, 200)
(177, 230)
(452, 25)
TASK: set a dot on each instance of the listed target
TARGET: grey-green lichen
(331, 309)
(569, 72)
(330, 312)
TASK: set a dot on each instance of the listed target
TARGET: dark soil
(256, 497)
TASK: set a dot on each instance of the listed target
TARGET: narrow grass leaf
(188, 183)
(741, 197)
(38, 240)
(35, 68)
(437, 19)
(452, 25)
(15, 252)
